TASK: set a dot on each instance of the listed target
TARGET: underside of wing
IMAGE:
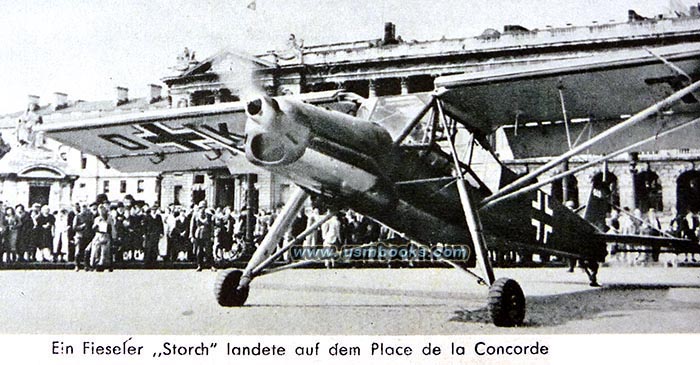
(159, 140)
(179, 139)
(597, 85)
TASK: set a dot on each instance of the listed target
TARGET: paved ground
(366, 301)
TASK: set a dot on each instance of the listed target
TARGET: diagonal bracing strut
(470, 213)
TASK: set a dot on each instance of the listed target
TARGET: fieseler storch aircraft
(396, 159)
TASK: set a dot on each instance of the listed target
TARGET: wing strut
(670, 64)
(258, 270)
(629, 122)
(605, 158)
(563, 112)
(470, 212)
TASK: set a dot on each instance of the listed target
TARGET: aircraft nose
(254, 107)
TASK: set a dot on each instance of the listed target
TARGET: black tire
(506, 303)
(226, 289)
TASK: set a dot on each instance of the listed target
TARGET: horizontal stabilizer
(675, 244)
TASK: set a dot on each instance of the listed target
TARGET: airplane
(408, 162)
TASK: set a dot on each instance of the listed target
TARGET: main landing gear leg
(231, 288)
(506, 299)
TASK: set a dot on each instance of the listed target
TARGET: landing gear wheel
(506, 303)
(226, 289)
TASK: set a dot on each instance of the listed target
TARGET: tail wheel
(506, 303)
(226, 289)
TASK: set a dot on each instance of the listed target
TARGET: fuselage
(354, 163)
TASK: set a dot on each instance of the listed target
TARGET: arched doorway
(688, 191)
(647, 191)
(606, 183)
(572, 191)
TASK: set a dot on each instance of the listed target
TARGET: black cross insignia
(542, 217)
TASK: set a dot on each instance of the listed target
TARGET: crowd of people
(96, 236)
(651, 223)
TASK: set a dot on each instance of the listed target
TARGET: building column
(565, 183)
(404, 86)
(210, 183)
(372, 89)
(626, 188)
(628, 194)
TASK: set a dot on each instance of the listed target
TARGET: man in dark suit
(689, 226)
(152, 232)
(71, 233)
(82, 226)
(119, 232)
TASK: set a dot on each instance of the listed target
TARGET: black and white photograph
(349, 168)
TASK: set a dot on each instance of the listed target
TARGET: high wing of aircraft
(410, 162)
(601, 86)
(194, 138)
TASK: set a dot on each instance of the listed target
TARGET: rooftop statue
(25, 133)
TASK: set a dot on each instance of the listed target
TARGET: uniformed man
(201, 236)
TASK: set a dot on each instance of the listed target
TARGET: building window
(139, 186)
(199, 179)
(105, 186)
(177, 194)
(83, 161)
(82, 186)
(122, 186)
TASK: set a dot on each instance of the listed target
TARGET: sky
(86, 48)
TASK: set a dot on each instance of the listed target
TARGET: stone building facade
(665, 178)
(64, 174)
(29, 176)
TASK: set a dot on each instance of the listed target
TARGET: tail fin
(597, 208)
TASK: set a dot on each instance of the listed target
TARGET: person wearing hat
(45, 227)
(201, 230)
(153, 232)
(133, 242)
(118, 232)
(100, 257)
(25, 225)
(82, 226)
(71, 233)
